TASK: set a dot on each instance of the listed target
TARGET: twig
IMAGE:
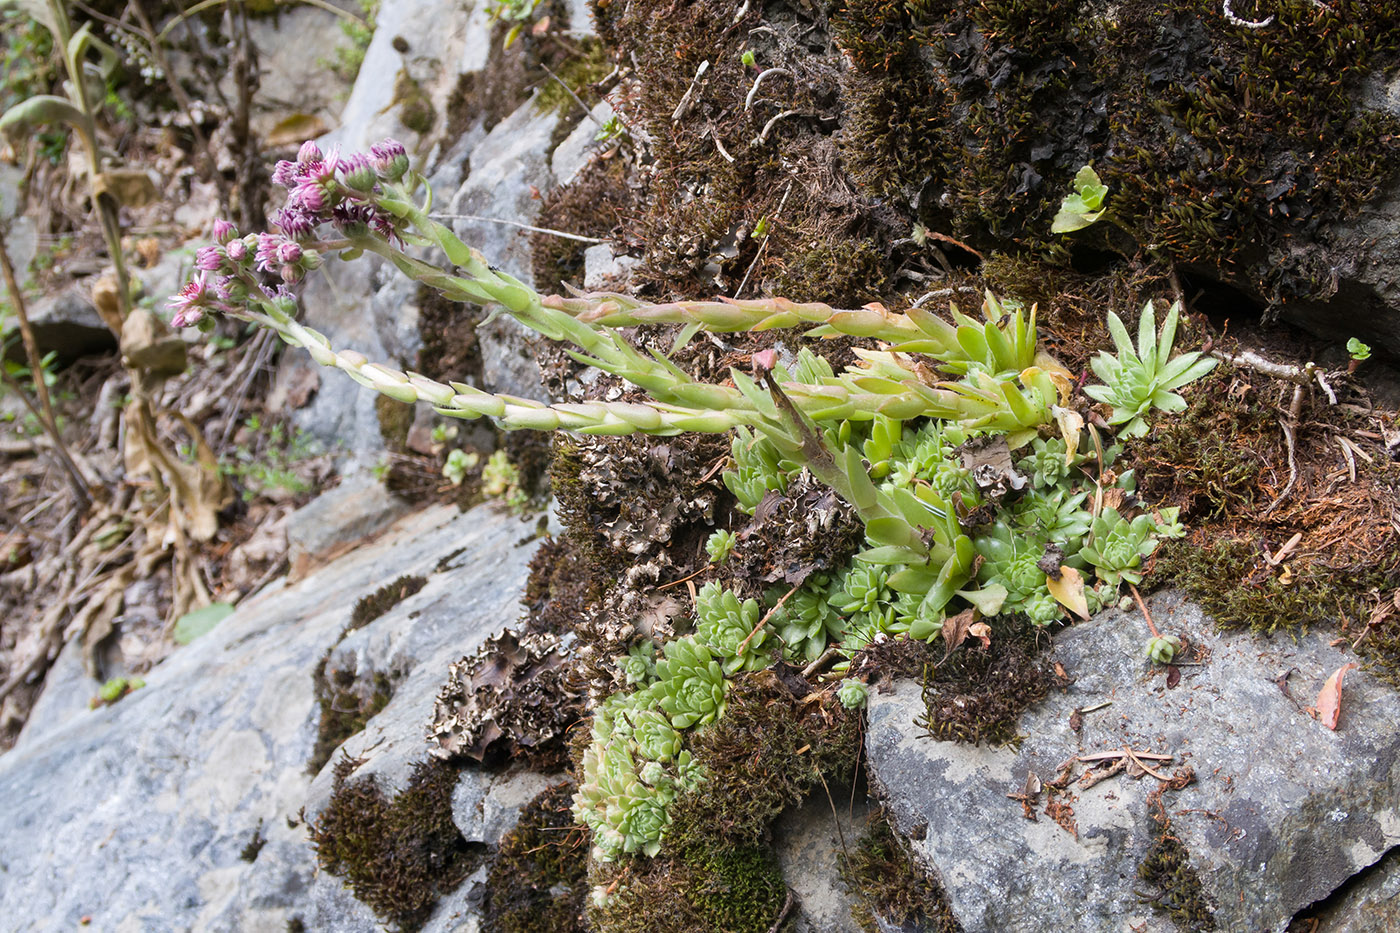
(782, 914)
(720, 146)
(1119, 753)
(763, 76)
(688, 99)
(768, 127)
(587, 111)
(515, 223)
(764, 621)
(1151, 626)
(826, 658)
(764, 245)
(1292, 467)
(1143, 765)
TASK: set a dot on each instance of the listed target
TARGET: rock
(1282, 811)
(572, 156)
(136, 815)
(331, 523)
(1369, 903)
(65, 323)
(486, 806)
(604, 271)
(810, 842)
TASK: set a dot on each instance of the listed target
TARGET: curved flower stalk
(1138, 380)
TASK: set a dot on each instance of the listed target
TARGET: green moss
(767, 752)
(249, 853)
(1167, 867)
(705, 888)
(589, 65)
(415, 109)
(887, 882)
(537, 881)
(395, 418)
(371, 607)
(399, 854)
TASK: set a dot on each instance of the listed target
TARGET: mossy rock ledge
(1263, 812)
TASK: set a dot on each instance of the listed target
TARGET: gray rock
(578, 148)
(337, 519)
(810, 842)
(135, 815)
(485, 806)
(66, 323)
(604, 271)
(1369, 904)
(1282, 812)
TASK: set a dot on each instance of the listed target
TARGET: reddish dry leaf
(981, 631)
(1068, 591)
(1329, 698)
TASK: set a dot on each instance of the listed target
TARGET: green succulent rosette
(853, 694)
(691, 685)
(806, 622)
(1118, 547)
(654, 735)
(1010, 559)
(725, 626)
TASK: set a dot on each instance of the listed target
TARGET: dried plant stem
(1151, 626)
(44, 413)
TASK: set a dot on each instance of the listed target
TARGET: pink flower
(190, 303)
(209, 259)
(267, 251)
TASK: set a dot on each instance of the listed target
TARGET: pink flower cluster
(322, 188)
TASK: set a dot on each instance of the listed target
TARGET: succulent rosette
(1011, 560)
(1046, 464)
(725, 626)
(654, 736)
(853, 693)
(1117, 546)
(690, 685)
(806, 622)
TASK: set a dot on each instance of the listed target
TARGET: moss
(395, 419)
(889, 884)
(587, 66)
(977, 694)
(399, 854)
(368, 608)
(415, 109)
(1220, 145)
(768, 752)
(1167, 867)
(249, 853)
(537, 882)
(591, 205)
(296, 925)
(705, 888)
(346, 705)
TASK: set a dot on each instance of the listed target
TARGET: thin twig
(1292, 467)
(516, 223)
(587, 111)
(762, 76)
(764, 621)
(1151, 626)
(768, 127)
(764, 245)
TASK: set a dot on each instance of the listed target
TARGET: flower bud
(291, 274)
(389, 159)
(209, 259)
(236, 251)
(224, 232)
(288, 252)
(358, 173)
(309, 152)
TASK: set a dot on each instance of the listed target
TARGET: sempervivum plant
(1011, 559)
(690, 685)
(806, 622)
(1117, 546)
(1136, 381)
(729, 628)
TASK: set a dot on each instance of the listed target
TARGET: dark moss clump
(704, 888)
(537, 882)
(767, 752)
(591, 205)
(401, 854)
(249, 853)
(347, 706)
(1167, 867)
(978, 693)
(371, 607)
(883, 874)
(415, 109)
(562, 586)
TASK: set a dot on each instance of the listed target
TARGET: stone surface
(1370, 904)
(66, 323)
(604, 271)
(135, 815)
(1282, 812)
(810, 841)
(572, 155)
(338, 519)
(486, 806)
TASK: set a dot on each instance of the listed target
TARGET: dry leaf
(1071, 426)
(955, 629)
(1069, 591)
(982, 632)
(1329, 698)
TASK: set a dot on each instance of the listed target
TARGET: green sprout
(459, 464)
(748, 59)
(1161, 649)
(1359, 351)
(1083, 206)
(719, 545)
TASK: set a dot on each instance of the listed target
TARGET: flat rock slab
(137, 815)
(1281, 813)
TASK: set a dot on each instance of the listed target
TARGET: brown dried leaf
(955, 630)
(1329, 698)
(982, 632)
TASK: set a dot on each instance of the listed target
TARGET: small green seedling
(114, 689)
(748, 59)
(1084, 206)
(1360, 353)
